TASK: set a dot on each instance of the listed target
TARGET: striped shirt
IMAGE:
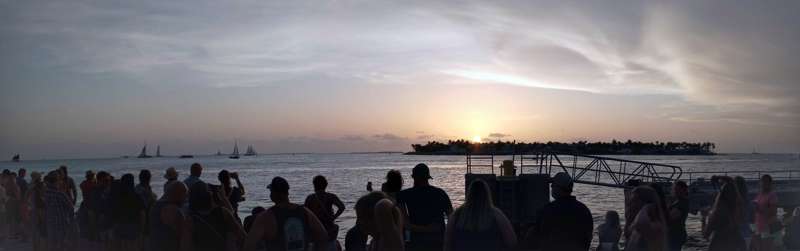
(58, 210)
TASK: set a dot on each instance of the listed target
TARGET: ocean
(348, 174)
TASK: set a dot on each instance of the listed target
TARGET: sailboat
(158, 151)
(235, 154)
(15, 158)
(143, 154)
(250, 151)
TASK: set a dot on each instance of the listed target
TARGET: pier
(520, 185)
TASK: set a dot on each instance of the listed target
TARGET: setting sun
(476, 138)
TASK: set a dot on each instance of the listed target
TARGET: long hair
(476, 212)
(728, 202)
(394, 182)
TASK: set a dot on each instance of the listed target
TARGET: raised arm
(235, 177)
(339, 206)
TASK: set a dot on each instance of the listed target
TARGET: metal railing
(587, 169)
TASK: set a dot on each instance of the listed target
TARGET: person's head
(320, 183)
(126, 183)
(145, 176)
(224, 177)
(103, 178)
(200, 197)
(680, 189)
(612, 219)
(394, 182)
(171, 174)
(51, 179)
(36, 177)
(196, 170)
(728, 196)
(176, 192)
(63, 170)
(741, 186)
(257, 210)
(22, 172)
(561, 185)
(365, 211)
(640, 197)
(278, 190)
(421, 174)
(89, 175)
(476, 212)
(766, 183)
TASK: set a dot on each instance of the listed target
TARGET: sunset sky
(99, 78)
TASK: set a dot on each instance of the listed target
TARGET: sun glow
(476, 139)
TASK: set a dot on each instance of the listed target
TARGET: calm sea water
(348, 174)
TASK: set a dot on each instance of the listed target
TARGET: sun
(476, 139)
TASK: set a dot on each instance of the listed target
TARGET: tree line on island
(461, 146)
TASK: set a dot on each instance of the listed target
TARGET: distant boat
(143, 154)
(158, 151)
(186, 156)
(754, 151)
(219, 153)
(15, 158)
(250, 151)
(235, 154)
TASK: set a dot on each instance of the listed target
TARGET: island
(629, 147)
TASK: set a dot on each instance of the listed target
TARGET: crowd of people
(192, 214)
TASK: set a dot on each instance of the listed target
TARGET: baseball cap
(562, 180)
(421, 171)
(278, 184)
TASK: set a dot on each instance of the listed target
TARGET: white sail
(158, 151)
(143, 154)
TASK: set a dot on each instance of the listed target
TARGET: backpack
(292, 229)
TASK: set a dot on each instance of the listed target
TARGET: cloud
(388, 137)
(498, 135)
(352, 138)
(425, 136)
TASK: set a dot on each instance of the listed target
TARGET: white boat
(143, 154)
(158, 151)
(250, 151)
(235, 154)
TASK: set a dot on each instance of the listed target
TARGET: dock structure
(522, 186)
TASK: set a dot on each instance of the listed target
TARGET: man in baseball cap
(565, 223)
(426, 206)
(307, 228)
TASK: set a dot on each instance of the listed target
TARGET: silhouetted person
(248, 221)
(478, 225)
(609, 232)
(128, 215)
(393, 184)
(170, 227)
(195, 171)
(321, 203)
(565, 223)
(378, 216)
(58, 214)
(285, 226)
(234, 194)
(214, 227)
(426, 206)
(678, 212)
(792, 237)
(69, 185)
(723, 221)
(748, 209)
(766, 215)
(171, 175)
(645, 226)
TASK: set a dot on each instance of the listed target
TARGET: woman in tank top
(478, 225)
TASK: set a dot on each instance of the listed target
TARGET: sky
(101, 78)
